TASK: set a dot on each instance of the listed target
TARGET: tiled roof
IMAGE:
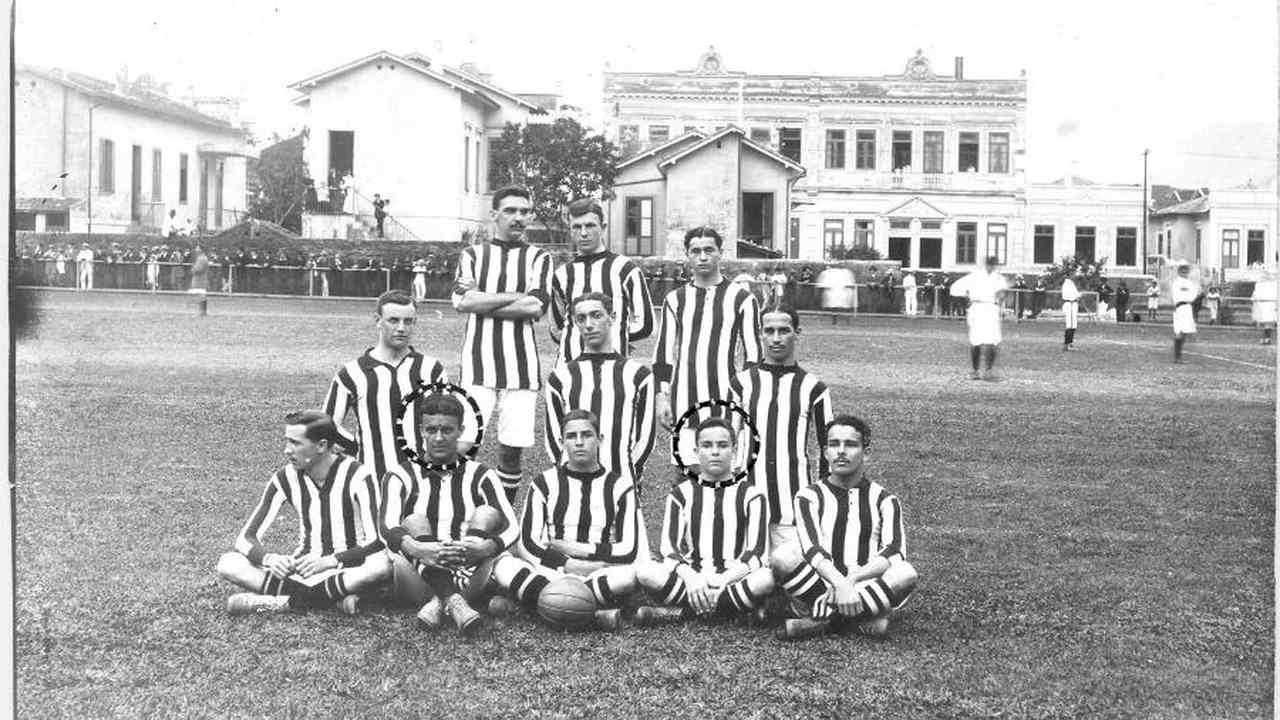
(1194, 206)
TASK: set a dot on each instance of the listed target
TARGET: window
(466, 164)
(901, 149)
(639, 230)
(866, 150)
(628, 139)
(1160, 243)
(182, 177)
(832, 233)
(1198, 237)
(998, 242)
(24, 220)
(57, 221)
(933, 151)
(835, 149)
(931, 225)
(1086, 245)
(864, 233)
(968, 153)
(1256, 250)
(900, 224)
(1042, 251)
(998, 153)
(690, 128)
(1230, 248)
(659, 134)
(477, 175)
(106, 166)
(761, 136)
(1127, 246)
(966, 243)
(789, 143)
(157, 177)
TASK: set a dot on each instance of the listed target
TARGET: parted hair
(703, 232)
(715, 422)
(580, 414)
(855, 422)
(439, 403)
(319, 425)
(605, 300)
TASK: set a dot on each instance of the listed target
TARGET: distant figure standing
(837, 290)
(200, 280)
(909, 306)
(380, 212)
(172, 226)
(1153, 300)
(1184, 292)
(419, 279)
(1070, 309)
(927, 289)
(60, 268)
(780, 281)
(1264, 307)
(1038, 295)
(1213, 301)
(349, 193)
(985, 289)
(84, 268)
(1122, 302)
(1104, 298)
(1019, 298)
(153, 271)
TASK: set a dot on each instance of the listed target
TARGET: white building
(1229, 232)
(414, 131)
(1075, 217)
(117, 156)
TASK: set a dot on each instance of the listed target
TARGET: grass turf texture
(1094, 533)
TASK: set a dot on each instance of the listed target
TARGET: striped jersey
(699, 336)
(614, 275)
(849, 526)
(447, 498)
(375, 390)
(597, 508)
(497, 352)
(707, 527)
(784, 402)
(335, 517)
(620, 392)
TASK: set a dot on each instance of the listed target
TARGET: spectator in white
(419, 279)
(909, 306)
(779, 283)
(172, 227)
(1213, 301)
(745, 279)
(188, 228)
(153, 271)
(1070, 309)
(349, 193)
(1264, 306)
(84, 268)
(837, 284)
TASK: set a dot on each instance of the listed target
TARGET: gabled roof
(1195, 206)
(482, 84)
(1073, 180)
(743, 139)
(415, 65)
(917, 207)
(660, 149)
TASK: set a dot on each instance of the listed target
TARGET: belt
(1180, 304)
(1070, 301)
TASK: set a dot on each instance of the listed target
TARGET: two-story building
(1076, 217)
(98, 156)
(1229, 232)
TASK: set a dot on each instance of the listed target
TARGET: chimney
(959, 67)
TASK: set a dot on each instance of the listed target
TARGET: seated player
(851, 562)
(458, 519)
(340, 552)
(712, 539)
(579, 519)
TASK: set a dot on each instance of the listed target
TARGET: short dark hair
(503, 193)
(605, 300)
(439, 403)
(703, 232)
(319, 425)
(395, 297)
(580, 414)
(855, 422)
(715, 422)
(993, 260)
(777, 306)
(583, 206)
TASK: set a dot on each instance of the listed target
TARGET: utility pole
(88, 188)
(1145, 206)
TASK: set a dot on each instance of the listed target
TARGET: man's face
(395, 325)
(582, 442)
(300, 451)
(704, 256)
(595, 324)
(440, 437)
(844, 450)
(585, 231)
(715, 451)
(779, 338)
(513, 215)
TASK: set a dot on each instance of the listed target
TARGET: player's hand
(427, 553)
(705, 600)
(470, 550)
(313, 564)
(280, 566)
(845, 598)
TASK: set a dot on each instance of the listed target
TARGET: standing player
(1264, 306)
(462, 519)
(1070, 309)
(595, 268)
(1153, 300)
(503, 286)
(712, 539)
(338, 552)
(200, 280)
(985, 289)
(578, 519)
(375, 384)
(783, 401)
(1184, 292)
(704, 323)
(851, 562)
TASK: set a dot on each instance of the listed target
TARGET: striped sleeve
(560, 298)
(673, 529)
(756, 529)
(393, 496)
(249, 542)
(808, 512)
(464, 276)
(541, 276)
(495, 497)
(534, 540)
(362, 491)
(637, 294)
(622, 550)
(553, 416)
(750, 319)
(337, 401)
(820, 414)
(664, 353)
(893, 545)
(643, 420)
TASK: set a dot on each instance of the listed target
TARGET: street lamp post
(1145, 206)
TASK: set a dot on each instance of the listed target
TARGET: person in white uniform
(1184, 292)
(1264, 306)
(909, 306)
(985, 289)
(1070, 309)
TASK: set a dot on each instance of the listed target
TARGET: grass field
(1094, 534)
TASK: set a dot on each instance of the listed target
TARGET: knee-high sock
(975, 354)
(1177, 347)
(737, 597)
(605, 596)
(526, 585)
(804, 583)
(675, 592)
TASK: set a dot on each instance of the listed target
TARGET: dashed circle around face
(406, 447)
(751, 457)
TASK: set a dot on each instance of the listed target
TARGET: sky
(1194, 81)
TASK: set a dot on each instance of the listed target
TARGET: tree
(1092, 270)
(281, 184)
(852, 252)
(558, 163)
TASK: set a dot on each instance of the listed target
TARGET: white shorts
(1070, 312)
(516, 413)
(1184, 320)
(984, 323)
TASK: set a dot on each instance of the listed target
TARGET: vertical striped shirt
(700, 334)
(620, 392)
(448, 499)
(849, 526)
(335, 517)
(611, 274)
(708, 527)
(497, 352)
(375, 390)
(597, 508)
(783, 403)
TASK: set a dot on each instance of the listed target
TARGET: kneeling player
(339, 553)
(712, 539)
(444, 521)
(579, 519)
(851, 562)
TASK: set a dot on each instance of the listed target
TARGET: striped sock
(674, 592)
(805, 584)
(510, 483)
(738, 597)
(877, 598)
(604, 594)
(526, 586)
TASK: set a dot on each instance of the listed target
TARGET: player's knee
(229, 564)
(761, 581)
(651, 575)
(487, 519)
(785, 559)
(901, 576)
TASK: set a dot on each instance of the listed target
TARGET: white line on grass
(1189, 352)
